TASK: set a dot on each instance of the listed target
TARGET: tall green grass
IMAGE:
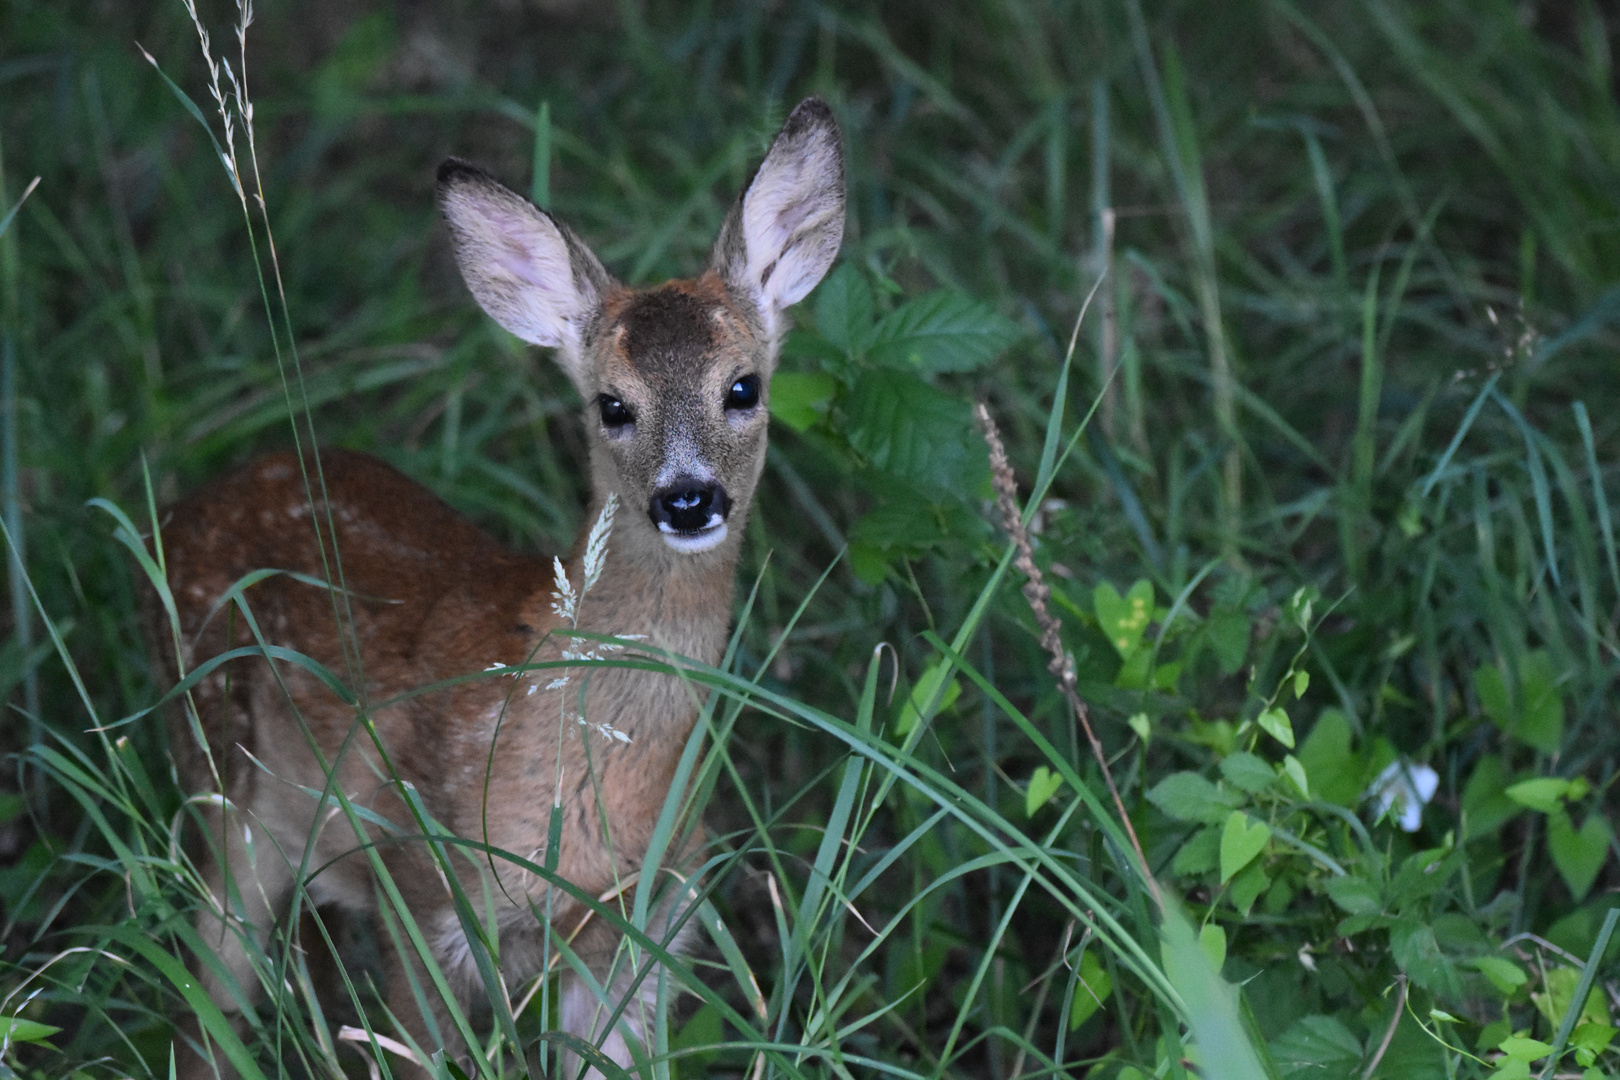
(1353, 458)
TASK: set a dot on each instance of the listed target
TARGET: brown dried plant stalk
(1037, 592)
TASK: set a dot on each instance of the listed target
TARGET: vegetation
(1322, 493)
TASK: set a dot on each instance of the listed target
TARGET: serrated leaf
(1247, 772)
(1354, 895)
(915, 433)
(1043, 784)
(1186, 796)
(1241, 840)
(799, 399)
(845, 314)
(941, 332)
(1317, 1046)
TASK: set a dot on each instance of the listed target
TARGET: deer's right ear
(525, 268)
(784, 232)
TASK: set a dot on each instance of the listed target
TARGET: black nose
(689, 506)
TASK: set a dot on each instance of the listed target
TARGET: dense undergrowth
(1324, 498)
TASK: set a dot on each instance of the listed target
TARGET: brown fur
(420, 596)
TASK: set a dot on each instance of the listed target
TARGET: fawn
(675, 381)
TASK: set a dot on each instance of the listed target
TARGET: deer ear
(525, 268)
(783, 234)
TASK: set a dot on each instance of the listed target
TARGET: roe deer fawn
(674, 380)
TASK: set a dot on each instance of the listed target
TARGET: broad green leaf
(1414, 948)
(1186, 796)
(1522, 1049)
(1241, 840)
(1543, 793)
(1123, 618)
(1229, 637)
(1338, 774)
(799, 399)
(941, 332)
(1534, 715)
(1503, 973)
(1579, 854)
(1302, 682)
(1355, 895)
(1485, 802)
(1317, 1047)
(1274, 722)
(1246, 888)
(845, 314)
(915, 433)
(1043, 784)
(1091, 989)
(1248, 772)
(1200, 854)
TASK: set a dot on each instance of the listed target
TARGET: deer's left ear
(783, 234)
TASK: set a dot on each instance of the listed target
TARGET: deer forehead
(675, 340)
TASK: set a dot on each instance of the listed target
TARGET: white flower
(1413, 785)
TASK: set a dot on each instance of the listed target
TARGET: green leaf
(1247, 887)
(1143, 727)
(1338, 774)
(1212, 939)
(845, 313)
(1229, 636)
(1355, 895)
(1248, 772)
(1414, 948)
(1296, 772)
(1123, 618)
(16, 1029)
(800, 399)
(1535, 713)
(1186, 796)
(1485, 802)
(1579, 856)
(1091, 990)
(915, 433)
(1317, 1046)
(1503, 973)
(915, 709)
(941, 332)
(1043, 784)
(1544, 793)
(1241, 841)
(1274, 722)
(1302, 682)
(1200, 854)
(1522, 1049)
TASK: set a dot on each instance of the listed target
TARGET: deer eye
(744, 393)
(614, 412)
